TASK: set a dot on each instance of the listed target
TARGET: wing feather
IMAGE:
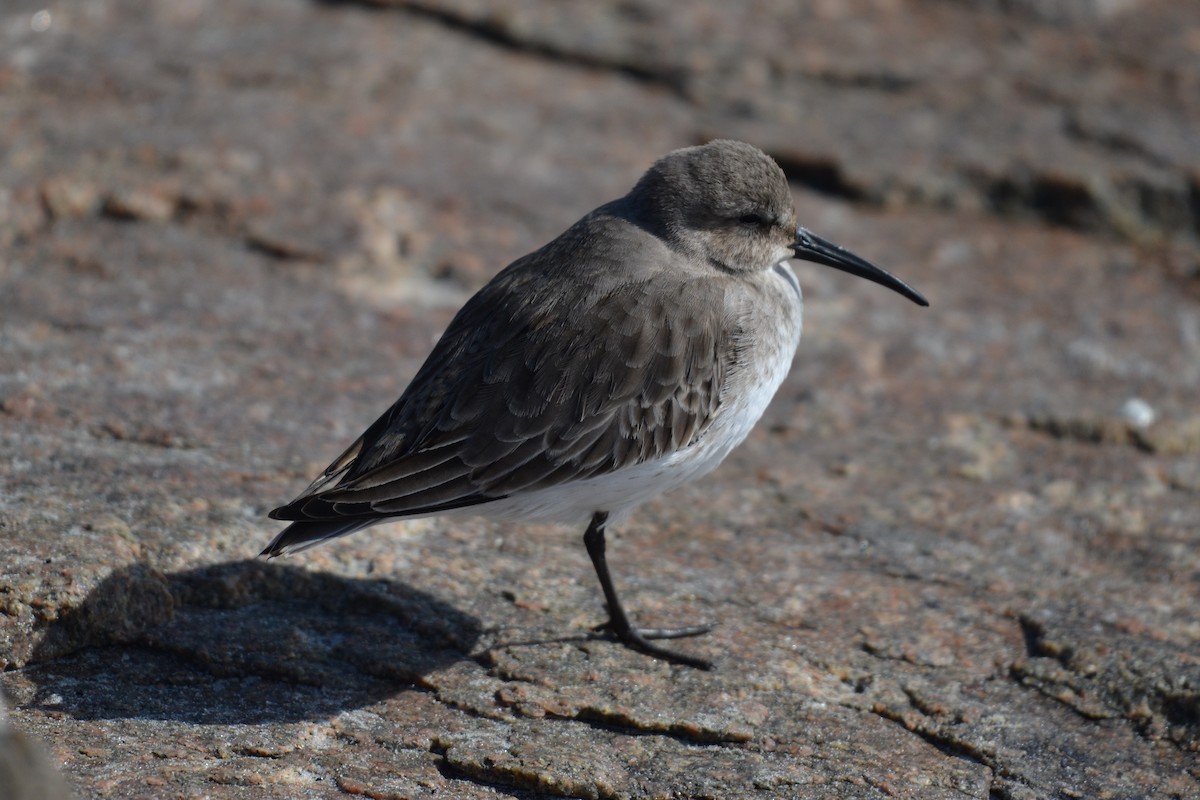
(539, 380)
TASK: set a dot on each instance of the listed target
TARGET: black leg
(618, 621)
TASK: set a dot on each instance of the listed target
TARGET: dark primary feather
(524, 391)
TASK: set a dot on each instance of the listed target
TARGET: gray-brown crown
(725, 202)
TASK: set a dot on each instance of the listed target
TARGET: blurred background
(958, 558)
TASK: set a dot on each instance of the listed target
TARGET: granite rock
(948, 562)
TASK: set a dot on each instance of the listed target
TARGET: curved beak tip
(810, 247)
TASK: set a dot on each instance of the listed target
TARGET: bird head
(728, 203)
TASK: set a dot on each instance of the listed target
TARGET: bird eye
(751, 219)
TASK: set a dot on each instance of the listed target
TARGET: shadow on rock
(247, 642)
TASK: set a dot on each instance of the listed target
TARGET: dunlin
(624, 358)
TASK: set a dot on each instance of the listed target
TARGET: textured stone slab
(951, 562)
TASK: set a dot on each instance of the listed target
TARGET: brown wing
(537, 382)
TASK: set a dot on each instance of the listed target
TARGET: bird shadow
(242, 643)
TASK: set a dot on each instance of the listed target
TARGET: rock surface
(950, 562)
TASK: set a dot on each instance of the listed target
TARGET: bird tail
(300, 536)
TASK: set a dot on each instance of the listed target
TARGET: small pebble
(1138, 412)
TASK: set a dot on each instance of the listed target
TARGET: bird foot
(639, 639)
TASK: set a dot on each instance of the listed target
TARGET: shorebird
(624, 358)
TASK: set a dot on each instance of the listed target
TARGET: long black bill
(810, 247)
